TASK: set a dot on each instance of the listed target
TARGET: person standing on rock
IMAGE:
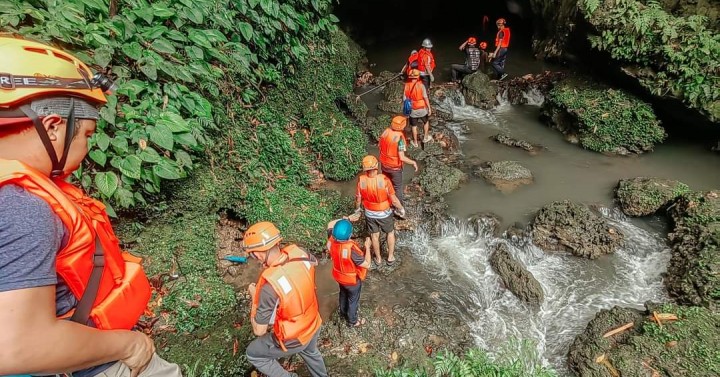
(392, 154)
(376, 194)
(284, 297)
(473, 60)
(502, 43)
(421, 111)
(349, 269)
(426, 63)
(69, 295)
(412, 63)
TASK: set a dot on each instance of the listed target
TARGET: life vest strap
(82, 311)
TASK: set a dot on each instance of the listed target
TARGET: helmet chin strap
(58, 165)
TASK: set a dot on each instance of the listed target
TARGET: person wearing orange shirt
(502, 43)
(392, 147)
(376, 196)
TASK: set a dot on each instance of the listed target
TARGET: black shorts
(415, 122)
(385, 225)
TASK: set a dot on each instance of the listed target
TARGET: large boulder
(438, 178)
(506, 176)
(692, 276)
(392, 97)
(530, 88)
(516, 277)
(676, 348)
(645, 196)
(479, 91)
(573, 227)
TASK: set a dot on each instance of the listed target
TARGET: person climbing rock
(484, 57)
(473, 60)
(426, 63)
(502, 43)
(70, 296)
(350, 265)
(284, 297)
(412, 63)
(420, 103)
(377, 196)
(392, 154)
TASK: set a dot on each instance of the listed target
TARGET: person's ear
(52, 123)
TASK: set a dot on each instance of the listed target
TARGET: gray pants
(263, 353)
(397, 181)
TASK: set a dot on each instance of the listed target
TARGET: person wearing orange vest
(426, 63)
(392, 153)
(70, 296)
(502, 43)
(421, 110)
(376, 195)
(284, 297)
(412, 63)
(349, 268)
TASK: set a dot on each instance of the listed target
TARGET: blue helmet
(342, 230)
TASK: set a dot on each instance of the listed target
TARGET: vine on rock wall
(677, 56)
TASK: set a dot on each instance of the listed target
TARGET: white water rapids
(575, 288)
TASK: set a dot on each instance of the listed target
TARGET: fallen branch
(618, 330)
(659, 322)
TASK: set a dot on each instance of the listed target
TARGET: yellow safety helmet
(261, 237)
(30, 69)
(369, 162)
(414, 73)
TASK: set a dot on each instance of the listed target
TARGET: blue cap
(342, 230)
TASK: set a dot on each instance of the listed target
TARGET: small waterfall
(454, 102)
(534, 97)
(575, 289)
(503, 101)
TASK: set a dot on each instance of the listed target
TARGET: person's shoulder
(18, 203)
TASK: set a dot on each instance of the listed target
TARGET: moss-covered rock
(692, 277)
(506, 176)
(516, 277)
(374, 127)
(438, 178)
(479, 91)
(509, 141)
(603, 119)
(573, 227)
(689, 346)
(645, 196)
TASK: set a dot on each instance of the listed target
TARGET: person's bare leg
(415, 134)
(426, 128)
(391, 246)
(376, 246)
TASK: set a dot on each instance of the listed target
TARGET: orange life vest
(423, 56)
(505, 40)
(292, 277)
(374, 192)
(412, 62)
(124, 290)
(390, 150)
(415, 93)
(345, 271)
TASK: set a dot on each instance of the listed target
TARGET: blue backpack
(407, 107)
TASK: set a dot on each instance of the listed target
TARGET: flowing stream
(456, 263)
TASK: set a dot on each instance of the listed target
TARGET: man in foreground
(285, 298)
(69, 296)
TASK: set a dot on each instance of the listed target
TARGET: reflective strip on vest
(124, 289)
(374, 193)
(345, 272)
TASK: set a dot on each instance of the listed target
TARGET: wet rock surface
(438, 178)
(516, 277)
(509, 141)
(645, 196)
(517, 89)
(692, 276)
(573, 227)
(479, 91)
(683, 347)
(374, 126)
(506, 176)
(392, 97)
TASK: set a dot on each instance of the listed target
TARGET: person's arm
(358, 198)
(391, 194)
(462, 46)
(406, 159)
(403, 69)
(427, 100)
(497, 48)
(267, 303)
(396, 203)
(35, 342)
(359, 257)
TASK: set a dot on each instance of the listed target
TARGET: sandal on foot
(376, 264)
(360, 322)
(391, 262)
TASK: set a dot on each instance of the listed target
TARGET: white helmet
(426, 43)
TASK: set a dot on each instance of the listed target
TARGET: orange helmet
(261, 237)
(483, 45)
(31, 69)
(414, 73)
(472, 40)
(398, 123)
(369, 162)
(500, 21)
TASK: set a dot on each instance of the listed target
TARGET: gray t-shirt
(30, 237)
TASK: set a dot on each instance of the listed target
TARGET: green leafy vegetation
(339, 144)
(177, 62)
(516, 359)
(606, 119)
(677, 56)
